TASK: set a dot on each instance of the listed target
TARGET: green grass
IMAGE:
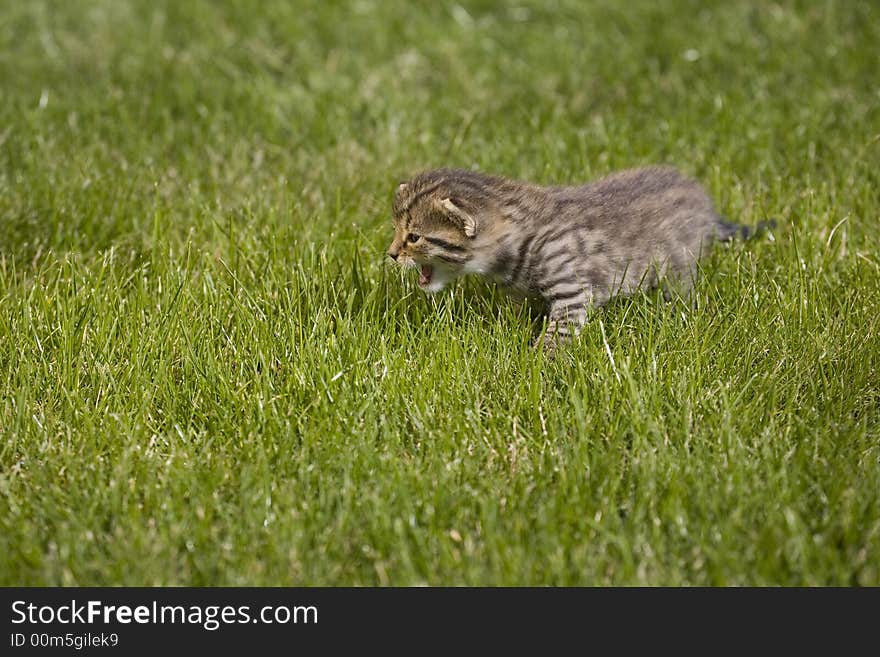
(211, 375)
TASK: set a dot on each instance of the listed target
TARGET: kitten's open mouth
(425, 274)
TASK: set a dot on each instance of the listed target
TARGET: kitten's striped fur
(574, 246)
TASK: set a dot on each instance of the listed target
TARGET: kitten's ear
(458, 216)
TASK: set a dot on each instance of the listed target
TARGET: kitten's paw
(549, 343)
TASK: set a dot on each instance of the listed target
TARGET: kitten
(575, 247)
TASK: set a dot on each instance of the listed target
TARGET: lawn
(211, 374)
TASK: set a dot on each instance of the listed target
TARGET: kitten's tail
(727, 231)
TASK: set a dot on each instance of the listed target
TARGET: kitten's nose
(393, 254)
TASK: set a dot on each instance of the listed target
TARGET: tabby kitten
(575, 247)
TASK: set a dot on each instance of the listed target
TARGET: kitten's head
(434, 230)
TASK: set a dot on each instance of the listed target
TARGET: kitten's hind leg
(679, 282)
(677, 289)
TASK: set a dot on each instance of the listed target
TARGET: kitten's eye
(412, 238)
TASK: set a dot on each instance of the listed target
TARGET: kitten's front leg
(565, 321)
